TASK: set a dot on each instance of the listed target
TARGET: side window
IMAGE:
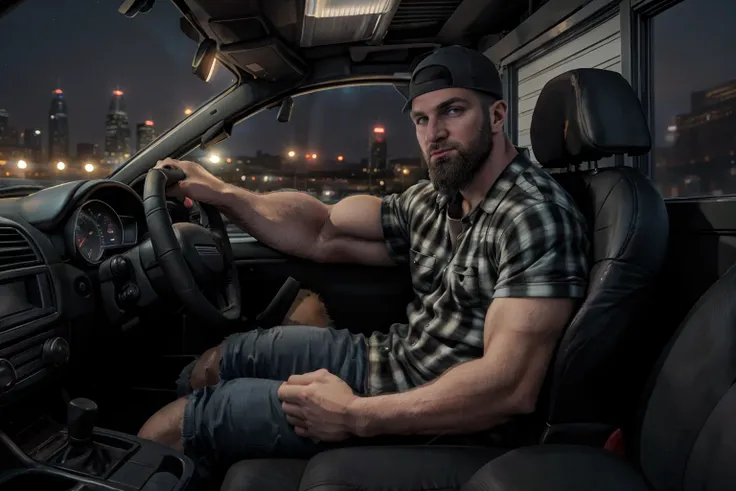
(338, 142)
(694, 91)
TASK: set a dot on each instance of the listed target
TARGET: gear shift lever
(80, 418)
(83, 454)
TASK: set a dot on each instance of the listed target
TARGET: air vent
(423, 14)
(15, 250)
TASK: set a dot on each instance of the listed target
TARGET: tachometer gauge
(88, 237)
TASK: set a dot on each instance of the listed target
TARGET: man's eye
(420, 120)
(454, 110)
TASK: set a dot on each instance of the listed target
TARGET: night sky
(87, 48)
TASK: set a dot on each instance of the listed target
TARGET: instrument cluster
(97, 229)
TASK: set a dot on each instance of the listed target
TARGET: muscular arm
(520, 335)
(301, 225)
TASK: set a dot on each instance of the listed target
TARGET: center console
(77, 456)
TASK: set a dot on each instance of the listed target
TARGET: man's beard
(451, 173)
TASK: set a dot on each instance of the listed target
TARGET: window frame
(640, 64)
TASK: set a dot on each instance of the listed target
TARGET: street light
(89, 167)
(187, 111)
(214, 158)
(22, 164)
(60, 165)
(340, 158)
(292, 154)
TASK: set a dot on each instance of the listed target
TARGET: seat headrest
(585, 115)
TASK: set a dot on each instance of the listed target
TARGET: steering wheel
(197, 262)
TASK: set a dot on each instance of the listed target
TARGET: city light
(314, 156)
(214, 158)
(187, 111)
(228, 160)
(291, 154)
(379, 129)
(58, 92)
(117, 92)
(60, 165)
(37, 132)
(149, 122)
(406, 172)
(307, 156)
(340, 158)
(242, 178)
(89, 167)
(22, 164)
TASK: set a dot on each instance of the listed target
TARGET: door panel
(359, 298)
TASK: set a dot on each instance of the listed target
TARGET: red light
(149, 122)
(253, 178)
(117, 92)
(340, 158)
(307, 156)
(379, 129)
(58, 92)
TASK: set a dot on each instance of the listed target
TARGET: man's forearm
(463, 400)
(290, 222)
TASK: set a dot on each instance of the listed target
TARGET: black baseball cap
(454, 67)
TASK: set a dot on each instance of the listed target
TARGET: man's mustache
(440, 147)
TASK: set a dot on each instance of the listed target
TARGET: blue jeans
(241, 417)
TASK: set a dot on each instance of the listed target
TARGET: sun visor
(267, 59)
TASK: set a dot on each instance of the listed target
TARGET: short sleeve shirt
(525, 239)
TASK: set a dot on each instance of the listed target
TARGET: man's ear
(498, 115)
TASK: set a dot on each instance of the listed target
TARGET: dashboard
(54, 244)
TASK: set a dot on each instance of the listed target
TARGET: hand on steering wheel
(194, 259)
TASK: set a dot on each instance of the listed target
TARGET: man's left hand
(318, 405)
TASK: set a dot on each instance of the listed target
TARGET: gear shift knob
(80, 420)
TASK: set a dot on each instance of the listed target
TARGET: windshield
(83, 87)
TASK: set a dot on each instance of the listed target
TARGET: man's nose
(436, 131)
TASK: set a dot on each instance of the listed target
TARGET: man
(497, 251)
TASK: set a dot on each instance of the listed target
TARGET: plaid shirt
(526, 239)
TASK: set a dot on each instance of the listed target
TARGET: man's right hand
(199, 184)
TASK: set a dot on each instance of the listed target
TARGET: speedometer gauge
(96, 228)
(88, 237)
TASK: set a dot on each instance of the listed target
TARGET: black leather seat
(685, 437)
(581, 116)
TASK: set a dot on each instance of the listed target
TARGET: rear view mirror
(285, 109)
(188, 29)
(131, 8)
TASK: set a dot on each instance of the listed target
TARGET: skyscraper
(145, 134)
(58, 127)
(117, 131)
(32, 141)
(378, 148)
